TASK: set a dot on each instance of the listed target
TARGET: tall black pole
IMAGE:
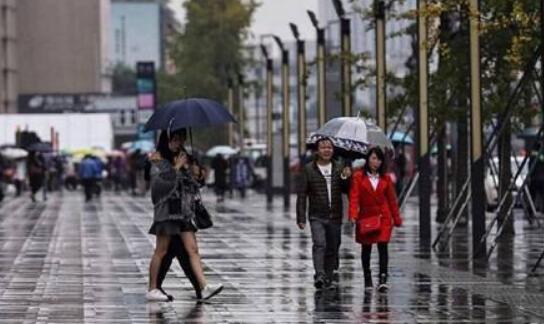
(345, 58)
(241, 117)
(478, 154)
(321, 71)
(423, 132)
(269, 108)
(301, 92)
(231, 110)
(345, 62)
(542, 55)
(380, 64)
(321, 78)
(286, 126)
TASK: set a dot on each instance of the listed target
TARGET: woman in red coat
(372, 193)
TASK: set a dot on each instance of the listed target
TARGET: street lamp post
(345, 58)
(478, 154)
(241, 117)
(321, 70)
(285, 124)
(380, 64)
(301, 91)
(230, 104)
(269, 107)
(423, 132)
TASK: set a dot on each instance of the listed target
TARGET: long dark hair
(381, 156)
(162, 144)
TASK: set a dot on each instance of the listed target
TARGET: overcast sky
(274, 16)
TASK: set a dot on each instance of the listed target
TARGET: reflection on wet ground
(67, 262)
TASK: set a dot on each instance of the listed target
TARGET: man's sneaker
(330, 284)
(156, 295)
(336, 276)
(383, 286)
(210, 290)
(319, 283)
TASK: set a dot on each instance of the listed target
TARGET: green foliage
(510, 33)
(123, 80)
(206, 52)
(211, 45)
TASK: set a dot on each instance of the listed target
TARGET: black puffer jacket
(312, 186)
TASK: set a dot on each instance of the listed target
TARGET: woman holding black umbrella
(373, 208)
(173, 192)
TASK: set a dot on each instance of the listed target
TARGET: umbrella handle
(191, 139)
(168, 130)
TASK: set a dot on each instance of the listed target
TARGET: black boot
(368, 280)
(383, 287)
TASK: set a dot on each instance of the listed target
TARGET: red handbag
(370, 224)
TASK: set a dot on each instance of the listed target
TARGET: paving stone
(66, 261)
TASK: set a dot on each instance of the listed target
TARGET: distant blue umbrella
(193, 112)
(143, 146)
(401, 137)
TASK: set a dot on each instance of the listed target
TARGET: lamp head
(313, 18)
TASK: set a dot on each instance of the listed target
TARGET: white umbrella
(352, 134)
(224, 150)
(14, 153)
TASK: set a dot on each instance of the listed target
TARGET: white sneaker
(156, 295)
(210, 290)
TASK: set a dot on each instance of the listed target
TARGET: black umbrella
(186, 113)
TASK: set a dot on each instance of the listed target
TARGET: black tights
(365, 257)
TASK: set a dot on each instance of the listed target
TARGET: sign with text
(57, 103)
(146, 86)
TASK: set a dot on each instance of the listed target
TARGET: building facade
(62, 46)
(135, 33)
(255, 95)
(8, 57)
(363, 40)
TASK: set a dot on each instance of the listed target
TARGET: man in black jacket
(322, 182)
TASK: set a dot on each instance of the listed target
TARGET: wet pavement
(65, 261)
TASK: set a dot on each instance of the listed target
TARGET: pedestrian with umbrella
(373, 208)
(220, 166)
(350, 138)
(174, 192)
(319, 195)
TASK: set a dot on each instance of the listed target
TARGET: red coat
(364, 201)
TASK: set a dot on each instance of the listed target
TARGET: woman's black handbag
(203, 219)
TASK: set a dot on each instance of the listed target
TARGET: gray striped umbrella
(351, 134)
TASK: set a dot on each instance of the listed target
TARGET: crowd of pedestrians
(39, 173)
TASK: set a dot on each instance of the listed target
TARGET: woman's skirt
(171, 227)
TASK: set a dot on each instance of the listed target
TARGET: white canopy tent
(75, 130)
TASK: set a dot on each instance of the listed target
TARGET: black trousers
(176, 249)
(88, 188)
(366, 251)
(326, 243)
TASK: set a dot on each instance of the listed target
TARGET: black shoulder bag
(203, 219)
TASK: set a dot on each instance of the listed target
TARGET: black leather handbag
(203, 219)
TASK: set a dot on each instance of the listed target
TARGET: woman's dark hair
(162, 144)
(381, 156)
(324, 139)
